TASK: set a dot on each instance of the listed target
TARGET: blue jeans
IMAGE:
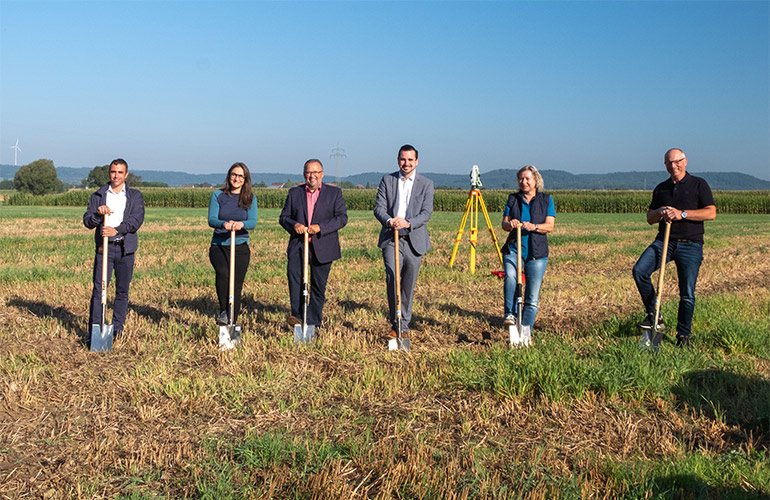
(534, 270)
(687, 256)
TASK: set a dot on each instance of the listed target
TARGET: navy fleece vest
(538, 208)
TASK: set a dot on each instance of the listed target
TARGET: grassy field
(582, 414)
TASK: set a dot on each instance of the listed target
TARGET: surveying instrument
(475, 200)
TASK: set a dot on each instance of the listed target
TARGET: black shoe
(116, 335)
(646, 323)
(683, 341)
(222, 318)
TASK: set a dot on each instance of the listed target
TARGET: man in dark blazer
(404, 203)
(125, 207)
(318, 209)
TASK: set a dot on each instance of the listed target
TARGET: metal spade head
(304, 334)
(526, 335)
(229, 337)
(101, 338)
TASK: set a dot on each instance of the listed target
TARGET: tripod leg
(460, 232)
(474, 228)
(491, 230)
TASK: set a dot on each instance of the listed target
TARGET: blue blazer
(330, 214)
(133, 217)
(417, 213)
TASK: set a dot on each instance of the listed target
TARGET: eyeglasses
(671, 162)
(237, 177)
(313, 172)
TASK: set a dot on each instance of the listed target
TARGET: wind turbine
(16, 149)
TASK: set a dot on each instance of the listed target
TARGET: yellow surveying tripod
(472, 209)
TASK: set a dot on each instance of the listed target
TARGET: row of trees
(40, 177)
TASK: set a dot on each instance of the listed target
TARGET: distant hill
(494, 179)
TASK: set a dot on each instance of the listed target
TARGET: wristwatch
(684, 214)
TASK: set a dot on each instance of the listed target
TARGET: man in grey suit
(404, 203)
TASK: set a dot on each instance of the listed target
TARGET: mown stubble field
(582, 414)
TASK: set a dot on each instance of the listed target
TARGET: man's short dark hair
(313, 160)
(409, 147)
(119, 161)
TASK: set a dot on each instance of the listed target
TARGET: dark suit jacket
(417, 213)
(330, 214)
(133, 217)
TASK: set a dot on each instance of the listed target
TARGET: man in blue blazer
(404, 203)
(318, 209)
(125, 207)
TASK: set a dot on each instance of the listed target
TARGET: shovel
(655, 334)
(519, 334)
(305, 333)
(399, 342)
(101, 335)
(230, 334)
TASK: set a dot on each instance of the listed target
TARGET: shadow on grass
(481, 319)
(691, 487)
(261, 308)
(206, 306)
(43, 310)
(350, 306)
(627, 328)
(147, 311)
(736, 400)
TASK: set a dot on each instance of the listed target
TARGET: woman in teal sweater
(234, 207)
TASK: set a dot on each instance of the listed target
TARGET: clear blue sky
(587, 87)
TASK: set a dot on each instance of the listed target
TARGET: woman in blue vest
(233, 207)
(535, 212)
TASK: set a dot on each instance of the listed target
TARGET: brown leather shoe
(292, 321)
(394, 334)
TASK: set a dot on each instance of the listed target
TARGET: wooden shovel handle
(105, 256)
(398, 274)
(305, 260)
(518, 255)
(666, 233)
(231, 284)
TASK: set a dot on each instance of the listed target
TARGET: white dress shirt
(117, 203)
(405, 185)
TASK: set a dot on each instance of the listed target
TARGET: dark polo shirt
(690, 193)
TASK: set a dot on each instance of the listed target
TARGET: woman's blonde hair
(539, 184)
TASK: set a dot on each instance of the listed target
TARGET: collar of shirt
(122, 190)
(307, 189)
(312, 199)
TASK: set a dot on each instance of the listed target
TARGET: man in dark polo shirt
(685, 201)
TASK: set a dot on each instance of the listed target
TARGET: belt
(116, 242)
(681, 240)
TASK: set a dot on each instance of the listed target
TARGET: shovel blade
(657, 338)
(305, 335)
(513, 335)
(645, 342)
(229, 337)
(402, 344)
(101, 338)
(526, 335)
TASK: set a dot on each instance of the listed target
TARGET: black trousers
(319, 274)
(219, 255)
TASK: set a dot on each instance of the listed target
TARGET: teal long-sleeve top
(224, 207)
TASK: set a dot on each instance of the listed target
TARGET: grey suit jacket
(417, 213)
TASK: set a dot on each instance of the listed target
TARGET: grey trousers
(410, 267)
